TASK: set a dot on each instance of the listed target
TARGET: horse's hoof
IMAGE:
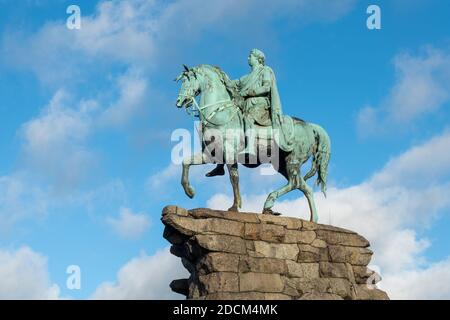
(271, 212)
(190, 192)
(233, 208)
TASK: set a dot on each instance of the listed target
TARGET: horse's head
(190, 87)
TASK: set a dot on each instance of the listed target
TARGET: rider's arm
(264, 88)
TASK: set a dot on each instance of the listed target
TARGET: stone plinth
(233, 255)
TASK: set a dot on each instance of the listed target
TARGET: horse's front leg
(234, 178)
(195, 159)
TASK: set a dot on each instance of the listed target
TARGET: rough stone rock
(222, 243)
(219, 282)
(309, 270)
(276, 250)
(335, 270)
(362, 275)
(265, 232)
(370, 293)
(218, 262)
(276, 296)
(236, 296)
(191, 226)
(272, 233)
(173, 236)
(248, 256)
(297, 236)
(180, 286)
(340, 238)
(320, 296)
(287, 222)
(263, 265)
(227, 215)
(260, 282)
(318, 243)
(308, 253)
(353, 255)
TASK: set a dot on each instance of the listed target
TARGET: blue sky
(87, 116)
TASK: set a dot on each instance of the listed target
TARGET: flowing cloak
(284, 124)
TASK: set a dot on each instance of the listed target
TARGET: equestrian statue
(241, 122)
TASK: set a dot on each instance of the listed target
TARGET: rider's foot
(217, 171)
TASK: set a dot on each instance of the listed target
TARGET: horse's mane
(216, 70)
(223, 77)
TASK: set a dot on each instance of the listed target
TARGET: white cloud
(423, 84)
(367, 120)
(117, 25)
(19, 199)
(422, 87)
(249, 18)
(54, 142)
(429, 162)
(24, 275)
(133, 96)
(147, 32)
(22, 197)
(389, 209)
(129, 225)
(57, 125)
(56, 54)
(145, 277)
(429, 283)
(161, 178)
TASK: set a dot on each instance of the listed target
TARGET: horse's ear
(194, 72)
(178, 78)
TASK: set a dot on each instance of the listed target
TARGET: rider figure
(255, 88)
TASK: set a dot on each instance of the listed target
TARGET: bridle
(196, 111)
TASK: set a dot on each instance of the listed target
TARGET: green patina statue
(251, 107)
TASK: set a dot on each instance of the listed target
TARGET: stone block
(260, 282)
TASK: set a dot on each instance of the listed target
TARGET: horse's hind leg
(308, 192)
(234, 178)
(311, 172)
(292, 173)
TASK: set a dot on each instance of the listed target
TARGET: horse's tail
(321, 158)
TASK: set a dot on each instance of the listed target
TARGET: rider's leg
(250, 134)
(217, 171)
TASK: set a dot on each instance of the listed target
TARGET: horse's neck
(214, 94)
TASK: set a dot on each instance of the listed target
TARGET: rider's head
(259, 55)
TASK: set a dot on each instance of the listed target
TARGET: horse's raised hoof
(233, 208)
(190, 192)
